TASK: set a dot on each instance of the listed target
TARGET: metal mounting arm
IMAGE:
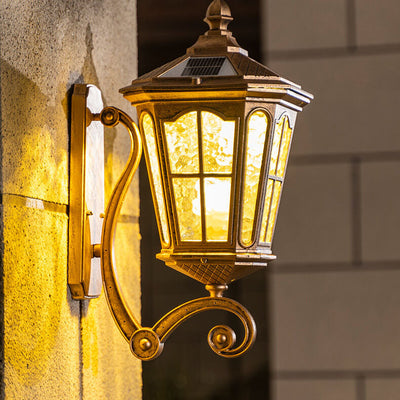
(126, 322)
(147, 343)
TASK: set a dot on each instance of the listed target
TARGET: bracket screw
(221, 339)
(145, 344)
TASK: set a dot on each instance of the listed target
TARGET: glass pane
(256, 135)
(187, 200)
(149, 133)
(274, 209)
(275, 147)
(267, 205)
(217, 201)
(218, 139)
(286, 139)
(182, 139)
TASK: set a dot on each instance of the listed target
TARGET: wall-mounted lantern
(217, 128)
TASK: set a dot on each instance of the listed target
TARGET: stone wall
(55, 347)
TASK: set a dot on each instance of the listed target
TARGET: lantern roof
(216, 62)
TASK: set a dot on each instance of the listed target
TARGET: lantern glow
(223, 132)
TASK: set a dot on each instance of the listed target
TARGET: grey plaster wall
(334, 294)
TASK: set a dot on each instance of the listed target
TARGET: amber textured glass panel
(149, 132)
(256, 135)
(274, 210)
(286, 139)
(267, 205)
(275, 147)
(183, 148)
(218, 139)
(187, 200)
(217, 193)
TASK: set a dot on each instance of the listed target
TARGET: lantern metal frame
(236, 259)
(165, 95)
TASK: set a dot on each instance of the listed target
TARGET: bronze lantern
(217, 128)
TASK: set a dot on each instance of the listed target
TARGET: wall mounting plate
(86, 192)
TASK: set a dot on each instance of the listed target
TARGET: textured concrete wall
(52, 346)
(335, 287)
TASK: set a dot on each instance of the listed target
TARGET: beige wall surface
(55, 347)
(334, 290)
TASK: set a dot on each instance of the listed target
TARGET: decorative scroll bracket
(145, 343)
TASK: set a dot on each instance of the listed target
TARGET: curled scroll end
(222, 339)
(145, 344)
(110, 116)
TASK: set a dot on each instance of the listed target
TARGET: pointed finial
(217, 40)
(218, 15)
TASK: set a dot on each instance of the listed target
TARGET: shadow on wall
(32, 161)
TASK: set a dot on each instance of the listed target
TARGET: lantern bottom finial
(216, 290)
